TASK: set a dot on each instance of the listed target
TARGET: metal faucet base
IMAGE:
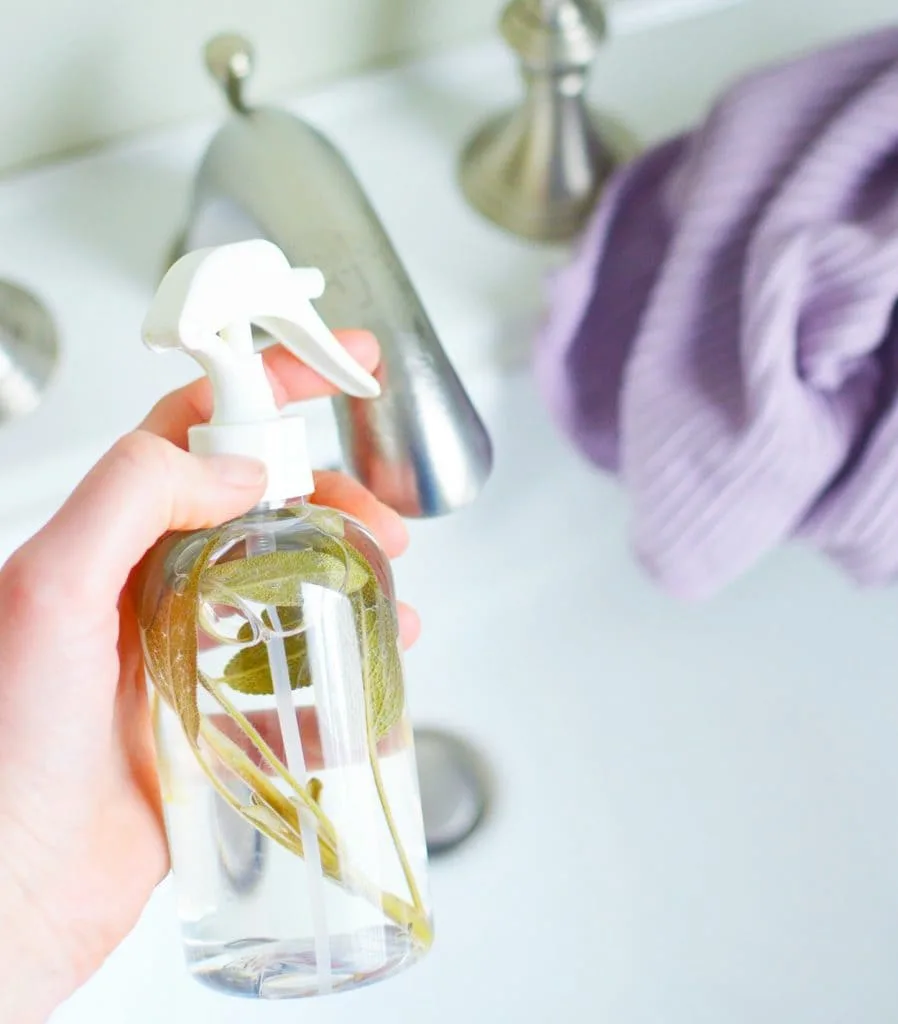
(505, 175)
(537, 170)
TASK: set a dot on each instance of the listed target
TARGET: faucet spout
(421, 447)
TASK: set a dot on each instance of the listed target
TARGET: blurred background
(87, 72)
(642, 810)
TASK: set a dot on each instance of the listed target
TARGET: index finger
(291, 381)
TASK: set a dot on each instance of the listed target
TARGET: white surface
(626, 16)
(114, 69)
(719, 785)
(87, 71)
(79, 71)
(91, 236)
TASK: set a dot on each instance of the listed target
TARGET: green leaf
(156, 649)
(377, 628)
(384, 688)
(274, 578)
(249, 672)
(171, 643)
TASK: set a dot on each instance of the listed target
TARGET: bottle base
(286, 969)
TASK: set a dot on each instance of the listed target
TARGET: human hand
(82, 843)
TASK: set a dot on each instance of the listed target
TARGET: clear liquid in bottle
(293, 813)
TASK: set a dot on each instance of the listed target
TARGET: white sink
(696, 815)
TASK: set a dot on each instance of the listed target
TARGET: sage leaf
(170, 643)
(384, 688)
(249, 672)
(172, 636)
(275, 578)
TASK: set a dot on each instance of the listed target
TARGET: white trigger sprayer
(206, 306)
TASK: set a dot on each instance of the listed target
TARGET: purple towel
(726, 339)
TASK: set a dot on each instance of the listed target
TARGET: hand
(82, 843)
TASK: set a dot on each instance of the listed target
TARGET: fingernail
(237, 470)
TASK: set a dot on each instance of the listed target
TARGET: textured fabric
(724, 338)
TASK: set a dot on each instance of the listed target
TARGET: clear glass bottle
(291, 796)
(285, 751)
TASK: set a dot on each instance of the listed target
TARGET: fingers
(409, 625)
(337, 490)
(141, 489)
(291, 381)
(268, 727)
(145, 487)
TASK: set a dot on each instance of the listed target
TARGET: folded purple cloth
(725, 338)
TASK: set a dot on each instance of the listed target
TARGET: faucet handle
(559, 33)
(538, 169)
(230, 61)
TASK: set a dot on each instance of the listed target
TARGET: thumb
(141, 489)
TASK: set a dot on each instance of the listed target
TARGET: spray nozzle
(206, 305)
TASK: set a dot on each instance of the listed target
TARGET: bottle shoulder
(267, 548)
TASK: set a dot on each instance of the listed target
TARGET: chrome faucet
(421, 447)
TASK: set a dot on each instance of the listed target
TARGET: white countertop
(697, 807)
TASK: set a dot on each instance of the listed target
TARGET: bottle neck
(277, 505)
(278, 443)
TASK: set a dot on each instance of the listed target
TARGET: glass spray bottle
(285, 750)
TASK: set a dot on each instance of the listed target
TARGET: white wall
(80, 71)
(666, 77)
